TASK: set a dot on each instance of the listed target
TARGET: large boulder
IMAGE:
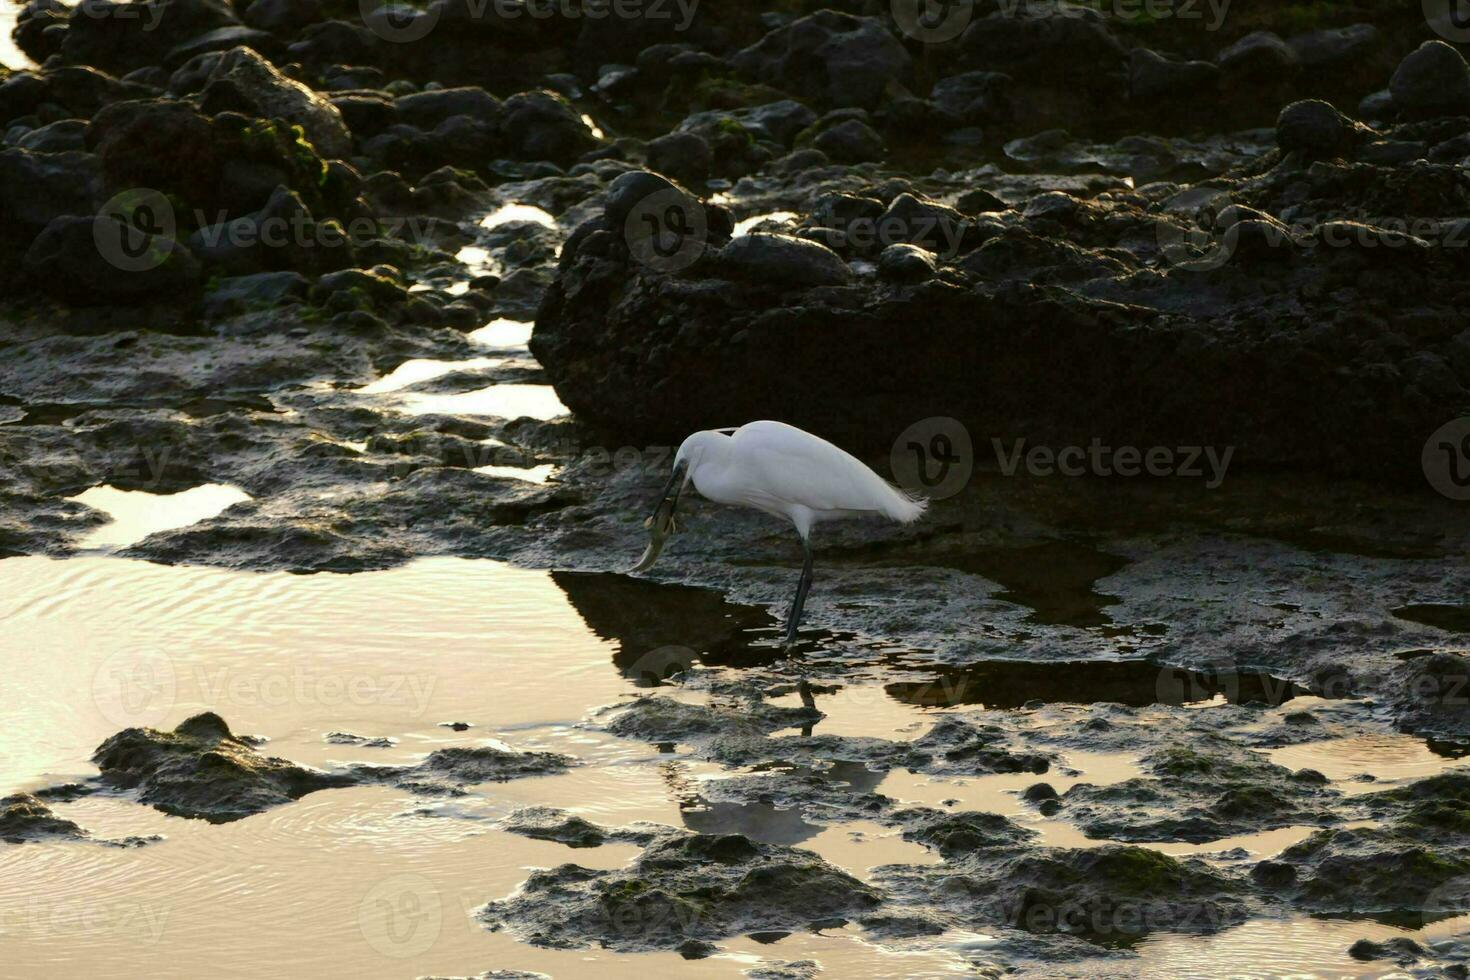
(1152, 76)
(831, 57)
(1043, 49)
(973, 97)
(1261, 56)
(1433, 80)
(215, 168)
(36, 188)
(543, 126)
(1316, 130)
(121, 35)
(282, 236)
(243, 81)
(783, 261)
(98, 260)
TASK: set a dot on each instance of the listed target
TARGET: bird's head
(661, 522)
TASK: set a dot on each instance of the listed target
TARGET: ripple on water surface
(378, 882)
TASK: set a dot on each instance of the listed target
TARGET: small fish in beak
(661, 523)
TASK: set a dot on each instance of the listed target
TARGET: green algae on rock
(682, 888)
(201, 770)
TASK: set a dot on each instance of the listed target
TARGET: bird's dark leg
(794, 620)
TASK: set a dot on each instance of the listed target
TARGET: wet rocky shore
(297, 249)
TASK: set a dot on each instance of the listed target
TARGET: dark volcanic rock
(783, 260)
(1200, 793)
(831, 57)
(37, 187)
(1075, 287)
(957, 834)
(201, 770)
(1152, 76)
(549, 823)
(24, 818)
(682, 887)
(1431, 81)
(448, 771)
(98, 259)
(244, 81)
(120, 36)
(1315, 129)
(1371, 870)
(1107, 894)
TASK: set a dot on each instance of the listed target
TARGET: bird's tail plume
(903, 506)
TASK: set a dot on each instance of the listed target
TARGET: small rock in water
(347, 738)
(549, 823)
(201, 770)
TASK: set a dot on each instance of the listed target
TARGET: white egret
(780, 470)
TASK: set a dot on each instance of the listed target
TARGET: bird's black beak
(661, 522)
(668, 501)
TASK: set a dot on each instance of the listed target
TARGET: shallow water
(507, 401)
(502, 333)
(135, 514)
(10, 55)
(374, 881)
(369, 880)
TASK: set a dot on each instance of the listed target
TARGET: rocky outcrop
(202, 770)
(683, 889)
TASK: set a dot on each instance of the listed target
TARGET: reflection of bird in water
(782, 471)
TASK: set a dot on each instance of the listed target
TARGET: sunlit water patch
(531, 474)
(369, 880)
(518, 212)
(503, 333)
(507, 401)
(776, 217)
(1289, 946)
(135, 514)
(376, 882)
(11, 56)
(1369, 762)
(420, 370)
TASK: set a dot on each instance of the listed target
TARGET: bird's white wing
(795, 467)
